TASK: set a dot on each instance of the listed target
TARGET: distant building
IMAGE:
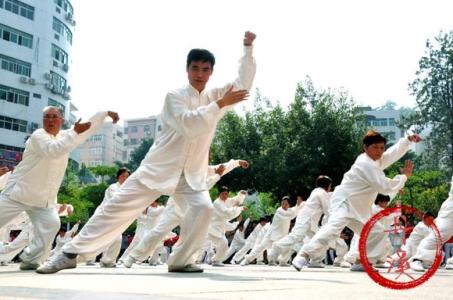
(35, 60)
(385, 122)
(136, 130)
(105, 147)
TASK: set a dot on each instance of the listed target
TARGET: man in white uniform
(350, 204)
(307, 220)
(222, 214)
(176, 165)
(427, 249)
(278, 229)
(34, 184)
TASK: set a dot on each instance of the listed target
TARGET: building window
(65, 5)
(390, 136)
(96, 151)
(125, 142)
(18, 8)
(380, 122)
(134, 129)
(97, 138)
(59, 54)
(16, 36)
(13, 124)
(62, 29)
(94, 163)
(53, 102)
(391, 121)
(14, 95)
(58, 81)
(38, 96)
(15, 65)
(146, 128)
(133, 142)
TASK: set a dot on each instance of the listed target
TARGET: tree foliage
(288, 149)
(433, 89)
(139, 154)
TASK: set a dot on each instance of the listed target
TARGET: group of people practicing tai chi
(177, 165)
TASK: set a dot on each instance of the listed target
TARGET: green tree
(139, 154)
(103, 171)
(433, 89)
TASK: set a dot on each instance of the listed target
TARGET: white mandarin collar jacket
(37, 178)
(189, 120)
(366, 178)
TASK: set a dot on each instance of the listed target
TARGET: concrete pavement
(230, 282)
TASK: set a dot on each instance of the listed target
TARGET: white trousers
(45, 221)
(127, 204)
(10, 250)
(353, 254)
(257, 250)
(249, 243)
(220, 244)
(426, 251)
(153, 238)
(233, 249)
(318, 245)
(341, 248)
(283, 247)
(110, 254)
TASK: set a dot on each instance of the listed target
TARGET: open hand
(115, 117)
(249, 37)
(81, 127)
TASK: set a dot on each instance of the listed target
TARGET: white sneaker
(299, 262)
(357, 267)
(128, 261)
(345, 264)
(217, 264)
(90, 263)
(57, 263)
(3, 263)
(283, 264)
(245, 262)
(25, 266)
(417, 265)
(260, 262)
(316, 264)
(107, 265)
(449, 267)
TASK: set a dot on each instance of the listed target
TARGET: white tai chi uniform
(250, 241)
(350, 204)
(238, 240)
(427, 249)
(60, 241)
(176, 165)
(217, 228)
(419, 232)
(9, 250)
(278, 229)
(145, 223)
(34, 184)
(172, 216)
(111, 252)
(306, 224)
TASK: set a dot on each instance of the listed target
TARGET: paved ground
(231, 282)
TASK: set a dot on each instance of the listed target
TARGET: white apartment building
(105, 147)
(35, 47)
(135, 130)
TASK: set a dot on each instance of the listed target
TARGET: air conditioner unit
(48, 86)
(69, 16)
(23, 79)
(68, 89)
(47, 76)
(66, 96)
(32, 81)
(73, 23)
(65, 67)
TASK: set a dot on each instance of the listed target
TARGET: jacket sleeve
(394, 153)
(44, 145)
(97, 120)
(377, 179)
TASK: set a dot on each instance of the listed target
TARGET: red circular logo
(377, 276)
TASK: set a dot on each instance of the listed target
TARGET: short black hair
(373, 137)
(323, 181)
(200, 55)
(428, 214)
(121, 171)
(223, 189)
(381, 198)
